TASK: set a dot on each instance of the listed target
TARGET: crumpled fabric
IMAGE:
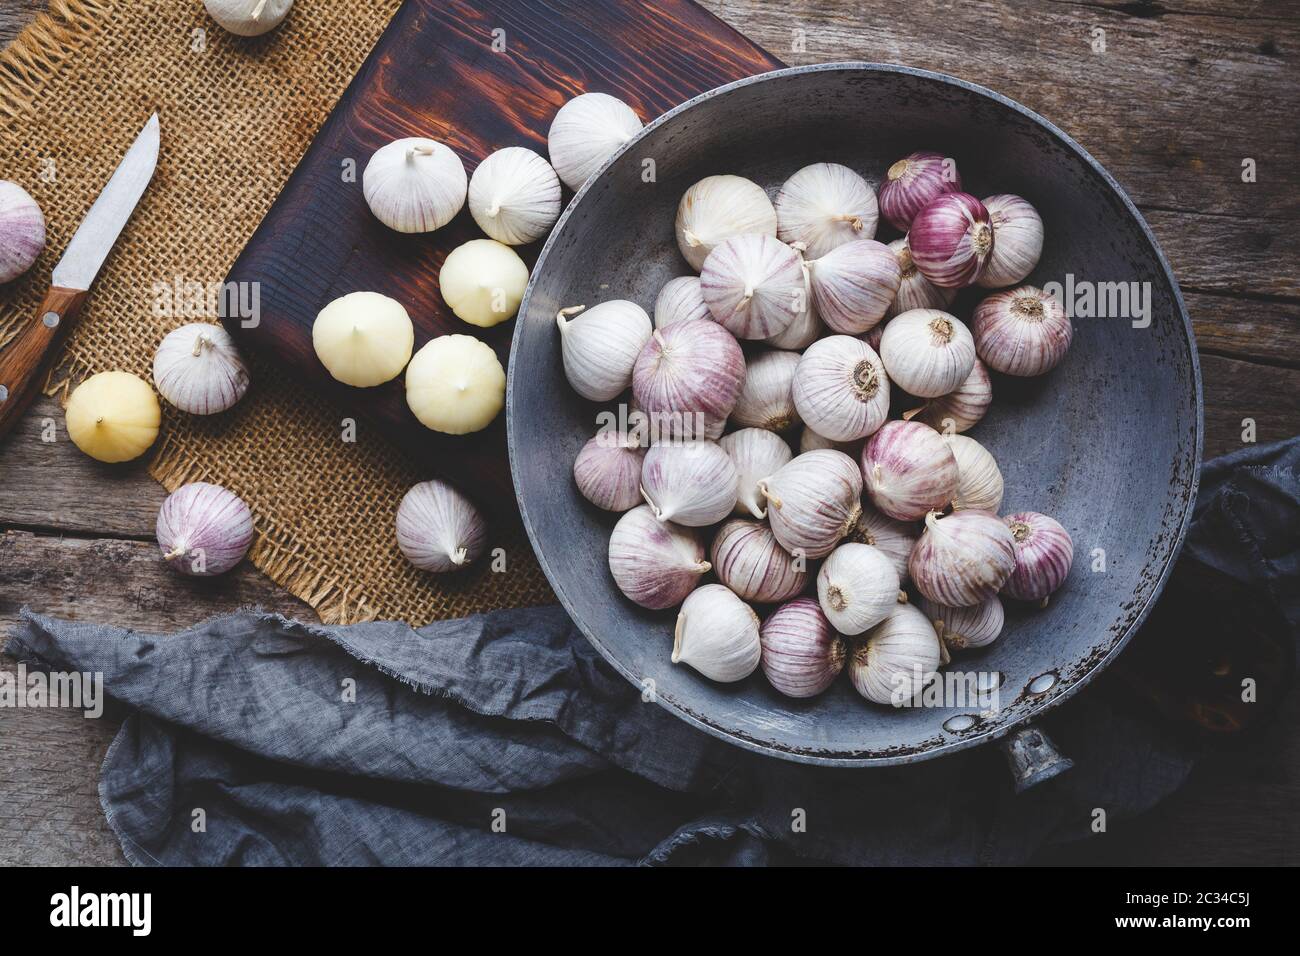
(505, 739)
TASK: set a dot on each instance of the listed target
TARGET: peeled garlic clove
(961, 628)
(514, 196)
(854, 284)
(802, 654)
(680, 300)
(747, 558)
(809, 440)
(806, 328)
(813, 502)
(1017, 241)
(655, 564)
(915, 291)
(896, 659)
(204, 529)
(113, 416)
(692, 483)
(438, 529)
(22, 231)
(608, 471)
(483, 282)
(857, 587)
(961, 409)
(908, 470)
(1021, 331)
(198, 369)
(363, 338)
(754, 286)
(756, 453)
(600, 346)
(1044, 554)
(840, 389)
(823, 206)
(586, 131)
(927, 352)
(717, 634)
(962, 559)
(455, 385)
(979, 480)
(895, 538)
(951, 240)
(414, 185)
(913, 183)
(765, 400)
(688, 377)
(718, 208)
(248, 18)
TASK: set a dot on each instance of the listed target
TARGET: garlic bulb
(198, 369)
(655, 564)
(514, 196)
(961, 628)
(248, 18)
(414, 185)
(840, 388)
(22, 231)
(809, 440)
(927, 352)
(204, 529)
(853, 285)
(692, 483)
(1044, 554)
(765, 400)
(908, 470)
(680, 300)
(896, 659)
(805, 329)
(1017, 241)
(747, 558)
(1021, 331)
(895, 538)
(915, 291)
(586, 131)
(608, 471)
(962, 559)
(718, 208)
(756, 453)
(483, 282)
(961, 409)
(913, 183)
(438, 529)
(363, 338)
(455, 385)
(753, 286)
(813, 502)
(979, 480)
(113, 416)
(951, 240)
(600, 346)
(823, 206)
(717, 634)
(802, 654)
(857, 587)
(688, 377)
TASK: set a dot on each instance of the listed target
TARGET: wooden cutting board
(477, 76)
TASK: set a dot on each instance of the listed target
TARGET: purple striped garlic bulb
(203, 529)
(801, 653)
(1017, 241)
(951, 240)
(895, 538)
(754, 286)
(854, 284)
(1021, 331)
(913, 183)
(198, 369)
(22, 231)
(747, 558)
(1044, 554)
(840, 388)
(680, 300)
(813, 502)
(655, 563)
(966, 627)
(908, 470)
(438, 528)
(688, 377)
(607, 471)
(824, 206)
(894, 661)
(962, 559)
(914, 290)
(927, 353)
(691, 483)
(962, 408)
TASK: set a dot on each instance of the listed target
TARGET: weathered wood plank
(1237, 390)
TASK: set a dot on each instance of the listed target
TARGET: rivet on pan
(1043, 683)
(955, 725)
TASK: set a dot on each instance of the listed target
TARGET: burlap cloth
(237, 114)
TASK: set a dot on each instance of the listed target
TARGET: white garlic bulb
(1017, 241)
(966, 627)
(718, 208)
(22, 231)
(853, 285)
(680, 300)
(483, 281)
(823, 206)
(586, 131)
(756, 453)
(655, 563)
(414, 185)
(915, 291)
(747, 558)
(607, 471)
(455, 384)
(717, 634)
(927, 353)
(363, 338)
(692, 483)
(198, 369)
(840, 388)
(979, 480)
(600, 346)
(961, 409)
(857, 587)
(438, 528)
(248, 18)
(898, 657)
(514, 196)
(203, 529)
(895, 538)
(813, 502)
(765, 399)
(753, 286)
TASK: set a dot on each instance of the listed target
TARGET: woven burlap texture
(237, 115)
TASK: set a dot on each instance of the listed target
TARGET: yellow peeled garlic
(363, 338)
(483, 281)
(455, 384)
(113, 416)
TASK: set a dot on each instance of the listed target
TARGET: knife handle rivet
(51, 319)
(4, 392)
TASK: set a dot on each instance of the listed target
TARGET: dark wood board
(435, 73)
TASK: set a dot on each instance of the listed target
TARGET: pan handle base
(1033, 757)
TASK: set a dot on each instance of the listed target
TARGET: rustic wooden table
(1176, 97)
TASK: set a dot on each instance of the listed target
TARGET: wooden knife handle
(25, 360)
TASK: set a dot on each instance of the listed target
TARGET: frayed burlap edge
(42, 48)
